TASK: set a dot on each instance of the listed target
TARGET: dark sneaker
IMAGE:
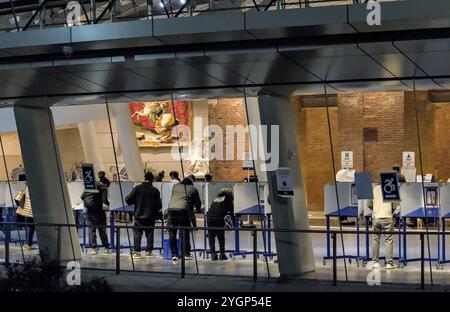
(214, 257)
(223, 257)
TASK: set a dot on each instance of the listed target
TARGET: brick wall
(226, 112)
(393, 114)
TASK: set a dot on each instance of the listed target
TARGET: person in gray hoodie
(184, 199)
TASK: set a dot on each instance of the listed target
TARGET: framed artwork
(154, 121)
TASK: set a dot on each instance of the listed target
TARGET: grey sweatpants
(385, 225)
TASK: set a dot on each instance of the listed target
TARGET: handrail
(252, 230)
(244, 229)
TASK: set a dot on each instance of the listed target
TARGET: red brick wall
(228, 112)
(393, 114)
(314, 151)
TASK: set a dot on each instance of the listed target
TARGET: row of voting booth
(250, 199)
(423, 201)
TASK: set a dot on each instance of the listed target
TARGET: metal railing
(21, 15)
(253, 230)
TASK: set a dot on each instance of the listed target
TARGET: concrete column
(128, 142)
(45, 177)
(295, 253)
(90, 144)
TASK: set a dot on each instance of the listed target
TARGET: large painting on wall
(154, 121)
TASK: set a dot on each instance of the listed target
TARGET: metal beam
(34, 15)
(108, 6)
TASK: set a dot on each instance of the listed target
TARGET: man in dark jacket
(147, 204)
(96, 216)
(222, 207)
(184, 199)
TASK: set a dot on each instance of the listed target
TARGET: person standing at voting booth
(219, 215)
(94, 201)
(184, 199)
(25, 214)
(147, 208)
(382, 221)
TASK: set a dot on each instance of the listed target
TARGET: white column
(47, 186)
(295, 253)
(128, 142)
(91, 147)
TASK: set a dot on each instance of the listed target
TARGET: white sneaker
(94, 251)
(390, 266)
(174, 259)
(149, 255)
(188, 257)
(107, 251)
(136, 255)
(374, 265)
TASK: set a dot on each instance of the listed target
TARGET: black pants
(31, 230)
(97, 222)
(176, 219)
(212, 234)
(149, 233)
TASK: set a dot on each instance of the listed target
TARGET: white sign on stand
(347, 159)
(409, 159)
(284, 182)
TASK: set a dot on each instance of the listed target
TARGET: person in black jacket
(96, 216)
(184, 199)
(222, 207)
(147, 205)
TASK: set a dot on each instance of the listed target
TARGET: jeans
(148, 234)
(179, 218)
(212, 234)
(31, 230)
(386, 225)
(97, 222)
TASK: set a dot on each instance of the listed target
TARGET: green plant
(44, 275)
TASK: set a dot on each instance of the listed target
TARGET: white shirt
(380, 209)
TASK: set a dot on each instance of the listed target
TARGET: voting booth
(348, 207)
(444, 189)
(419, 201)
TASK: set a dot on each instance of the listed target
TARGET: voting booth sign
(88, 176)
(389, 186)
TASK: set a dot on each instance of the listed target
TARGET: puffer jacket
(26, 210)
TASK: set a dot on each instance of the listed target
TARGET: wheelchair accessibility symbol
(389, 186)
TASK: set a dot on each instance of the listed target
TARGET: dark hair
(187, 181)
(396, 168)
(174, 175)
(149, 176)
(208, 177)
(192, 177)
(227, 192)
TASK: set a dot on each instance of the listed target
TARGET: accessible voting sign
(88, 176)
(389, 186)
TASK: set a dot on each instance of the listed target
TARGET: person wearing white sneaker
(390, 266)
(374, 265)
(147, 205)
(382, 221)
(174, 259)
